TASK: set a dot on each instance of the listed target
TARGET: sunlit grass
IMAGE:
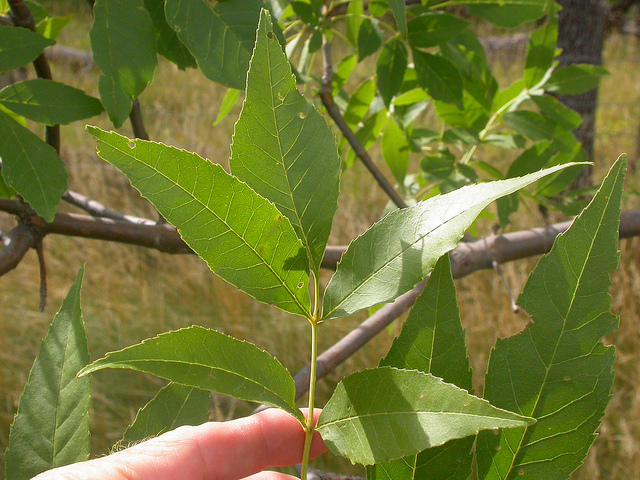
(130, 293)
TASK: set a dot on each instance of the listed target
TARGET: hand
(233, 450)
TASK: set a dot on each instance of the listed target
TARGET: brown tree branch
(16, 243)
(334, 112)
(21, 16)
(43, 275)
(96, 209)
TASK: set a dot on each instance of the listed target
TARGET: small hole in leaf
(498, 448)
(302, 115)
(270, 35)
(496, 431)
(279, 217)
(566, 379)
(132, 145)
(520, 472)
(280, 97)
(300, 285)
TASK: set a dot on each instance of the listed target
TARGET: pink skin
(239, 449)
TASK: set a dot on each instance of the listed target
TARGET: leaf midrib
(206, 207)
(564, 321)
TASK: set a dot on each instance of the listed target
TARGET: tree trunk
(581, 36)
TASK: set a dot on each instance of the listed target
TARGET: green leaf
(355, 11)
(174, 406)
(507, 13)
(575, 79)
(360, 103)
(541, 51)
(395, 150)
(51, 428)
(439, 77)
(220, 36)
(402, 248)
(31, 167)
(557, 370)
(243, 238)
(283, 148)
(555, 110)
(531, 124)
(400, 15)
(432, 340)
(228, 102)
(432, 29)
(369, 38)
(49, 102)
(167, 42)
(382, 414)
(124, 47)
(51, 27)
(19, 46)
(209, 360)
(390, 68)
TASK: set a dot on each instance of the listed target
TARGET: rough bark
(581, 30)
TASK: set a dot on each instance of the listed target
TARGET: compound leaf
(402, 248)
(382, 414)
(49, 102)
(283, 148)
(174, 406)
(557, 370)
(19, 46)
(124, 47)
(243, 238)
(31, 167)
(432, 341)
(220, 36)
(209, 360)
(51, 428)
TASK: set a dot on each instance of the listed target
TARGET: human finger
(215, 450)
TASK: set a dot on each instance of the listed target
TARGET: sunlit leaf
(124, 48)
(174, 406)
(209, 360)
(395, 150)
(558, 370)
(541, 51)
(283, 148)
(49, 102)
(382, 414)
(19, 46)
(51, 428)
(243, 238)
(402, 248)
(31, 167)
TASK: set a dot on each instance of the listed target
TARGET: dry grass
(130, 293)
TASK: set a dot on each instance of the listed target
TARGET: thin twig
(43, 275)
(334, 112)
(22, 17)
(96, 209)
